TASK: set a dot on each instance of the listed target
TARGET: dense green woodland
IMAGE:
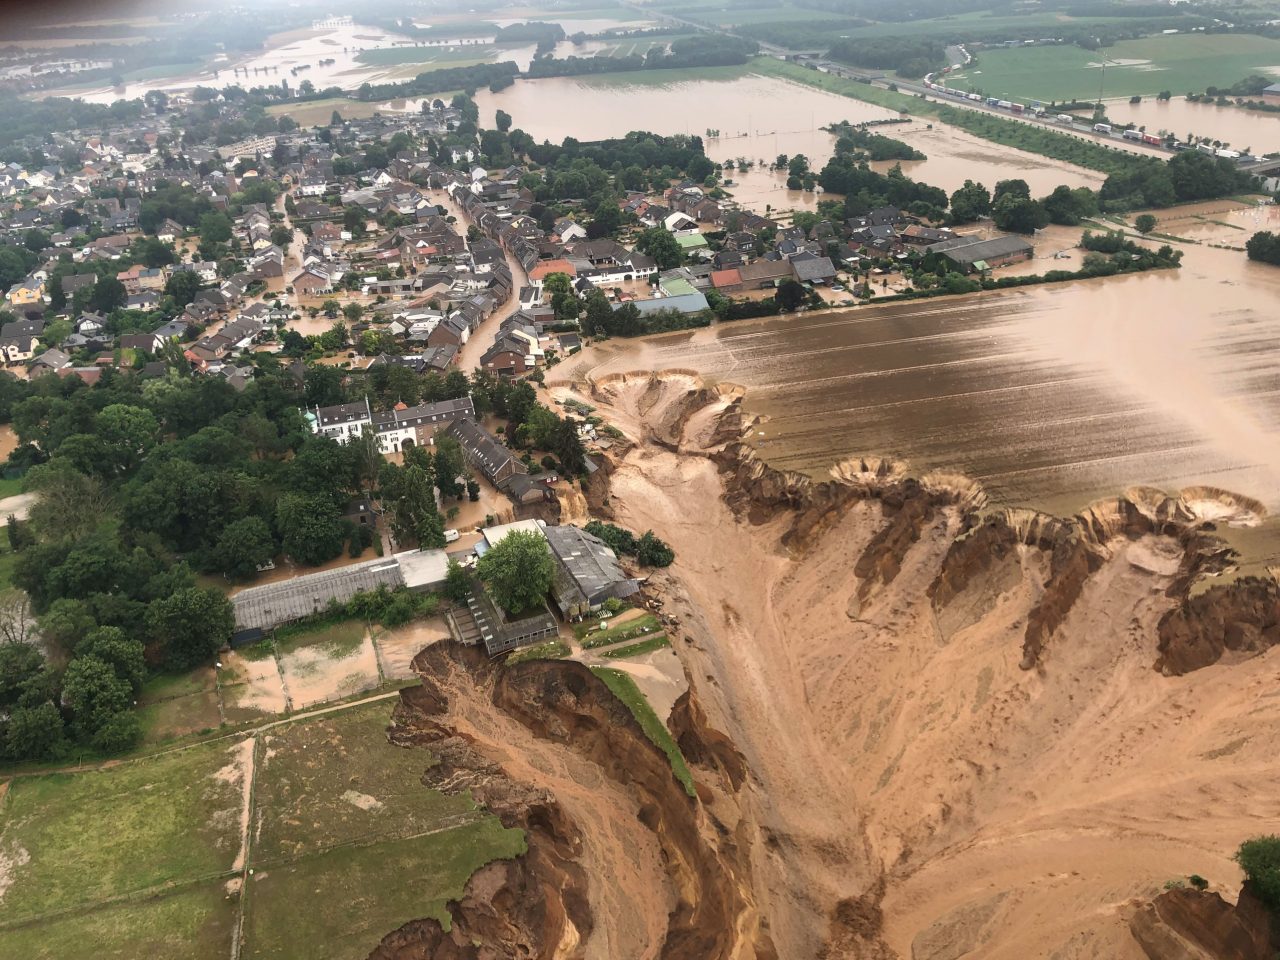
(144, 484)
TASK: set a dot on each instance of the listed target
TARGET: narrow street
(483, 336)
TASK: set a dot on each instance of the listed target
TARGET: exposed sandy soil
(397, 648)
(250, 688)
(312, 674)
(913, 791)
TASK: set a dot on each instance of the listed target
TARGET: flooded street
(758, 118)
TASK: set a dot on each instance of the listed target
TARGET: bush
(1145, 223)
(1259, 858)
(1199, 882)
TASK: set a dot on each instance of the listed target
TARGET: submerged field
(1182, 63)
(148, 857)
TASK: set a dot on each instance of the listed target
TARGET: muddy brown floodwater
(1239, 127)
(1049, 397)
(757, 119)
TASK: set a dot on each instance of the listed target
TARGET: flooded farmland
(1050, 397)
(758, 118)
(1254, 129)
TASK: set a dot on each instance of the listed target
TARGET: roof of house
(972, 249)
(816, 268)
(685, 303)
(591, 567)
(267, 606)
(479, 445)
(726, 278)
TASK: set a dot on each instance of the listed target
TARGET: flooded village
(464, 500)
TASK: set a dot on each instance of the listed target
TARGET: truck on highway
(1102, 128)
(1003, 104)
(1065, 118)
(1133, 134)
(1152, 139)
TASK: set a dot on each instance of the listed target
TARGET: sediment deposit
(919, 728)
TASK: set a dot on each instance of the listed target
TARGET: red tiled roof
(725, 278)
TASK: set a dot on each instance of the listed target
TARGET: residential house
(19, 340)
(587, 572)
(486, 454)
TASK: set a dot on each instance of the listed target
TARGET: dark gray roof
(424, 413)
(268, 606)
(968, 250)
(589, 567)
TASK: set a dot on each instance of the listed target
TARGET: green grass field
(191, 924)
(340, 904)
(335, 640)
(175, 705)
(83, 838)
(135, 860)
(625, 689)
(636, 627)
(637, 649)
(336, 780)
(1183, 63)
(551, 650)
(315, 112)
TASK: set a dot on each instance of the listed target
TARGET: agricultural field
(1184, 63)
(315, 112)
(148, 857)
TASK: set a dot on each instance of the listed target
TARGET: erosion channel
(919, 728)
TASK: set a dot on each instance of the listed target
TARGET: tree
(183, 287)
(94, 694)
(567, 446)
(790, 294)
(518, 571)
(661, 246)
(215, 227)
(353, 312)
(1264, 247)
(310, 527)
(1011, 188)
(127, 434)
(448, 467)
(457, 583)
(190, 625)
(108, 294)
(605, 221)
(1259, 858)
(652, 552)
(970, 202)
(243, 546)
(1019, 214)
(598, 319)
(35, 733)
(17, 624)
(123, 653)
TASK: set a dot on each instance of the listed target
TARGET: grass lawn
(174, 705)
(625, 689)
(636, 649)
(336, 779)
(317, 112)
(81, 838)
(192, 924)
(340, 904)
(1182, 63)
(551, 650)
(334, 640)
(10, 486)
(638, 627)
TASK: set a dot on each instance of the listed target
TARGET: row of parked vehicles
(1066, 119)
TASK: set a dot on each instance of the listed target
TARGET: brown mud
(620, 862)
(918, 728)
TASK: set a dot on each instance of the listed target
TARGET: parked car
(450, 536)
